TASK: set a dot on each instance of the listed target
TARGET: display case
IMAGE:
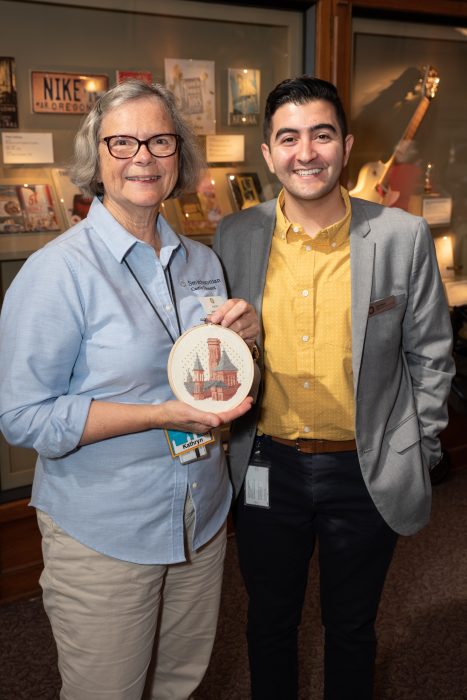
(47, 86)
(407, 115)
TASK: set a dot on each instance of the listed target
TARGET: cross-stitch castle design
(222, 383)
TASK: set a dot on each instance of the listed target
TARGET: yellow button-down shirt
(308, 383)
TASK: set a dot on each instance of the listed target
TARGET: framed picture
(145, 75)
(245, 189)
(27, 208)
(198, 213)
(192, 83)
(75, 205)
(8, 96)
(243, 88)
(65, 93)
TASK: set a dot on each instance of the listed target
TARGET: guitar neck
(416, 120)
(408, 135)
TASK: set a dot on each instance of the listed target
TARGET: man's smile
(310, 171)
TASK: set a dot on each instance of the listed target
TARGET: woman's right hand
(106, 420)
(176, 415)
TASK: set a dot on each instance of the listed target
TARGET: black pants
(312, 496)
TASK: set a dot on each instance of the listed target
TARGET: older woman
(133, 539)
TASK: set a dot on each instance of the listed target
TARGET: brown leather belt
(317, 447)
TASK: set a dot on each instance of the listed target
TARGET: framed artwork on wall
(28, 208)
(245, 189)
(122, 75)
(192, 83)
(200, 212)
(8, 96)
(243, 88)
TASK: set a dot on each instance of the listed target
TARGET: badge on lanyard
(257, 486)
(188, 447)
(211, 304)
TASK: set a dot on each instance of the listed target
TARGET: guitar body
(373, 177)
(368, 185)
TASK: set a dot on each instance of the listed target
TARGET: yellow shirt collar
(337, 232)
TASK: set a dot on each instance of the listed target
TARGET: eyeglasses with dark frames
(159, 145)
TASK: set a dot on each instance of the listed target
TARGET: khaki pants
(121, 628)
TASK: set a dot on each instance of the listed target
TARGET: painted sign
(65, 93)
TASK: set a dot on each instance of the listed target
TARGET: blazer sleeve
(427, 344)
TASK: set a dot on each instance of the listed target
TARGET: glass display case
(46, 85)
(408, 103)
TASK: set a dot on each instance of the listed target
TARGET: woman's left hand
(239, 316)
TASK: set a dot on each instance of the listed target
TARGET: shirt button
(296, 229)
(168, 307)
(305, 292)
(305, 338)
(306, 429)
(194, 485)
(333, 244)
(308, 248)
(306, 385)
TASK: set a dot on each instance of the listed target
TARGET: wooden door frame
(333, 37)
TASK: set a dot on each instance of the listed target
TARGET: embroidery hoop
(211, 368)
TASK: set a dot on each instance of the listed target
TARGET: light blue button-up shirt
(75, 327)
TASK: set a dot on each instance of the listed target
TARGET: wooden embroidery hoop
(211, 368)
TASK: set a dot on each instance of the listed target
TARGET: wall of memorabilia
(57, 57)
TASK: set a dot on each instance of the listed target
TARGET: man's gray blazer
(401, 349)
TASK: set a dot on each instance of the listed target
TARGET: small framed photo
(245, 189)
(8, 96)
(198, 213)
(244, 90)
(28, 208)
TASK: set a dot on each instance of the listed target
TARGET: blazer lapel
(362, 253)
(260, 246)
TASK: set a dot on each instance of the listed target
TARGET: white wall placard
(437, 210)
(228, 148)
(20, 148)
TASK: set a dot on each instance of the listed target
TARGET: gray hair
(85, 165)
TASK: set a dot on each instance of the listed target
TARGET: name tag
(211, 304)
(380, 305)
(188, 446)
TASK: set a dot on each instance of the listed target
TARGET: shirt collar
(337, 232)
(119, 241)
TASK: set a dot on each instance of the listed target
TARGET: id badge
(211, 304)
(257, 486)
(188, 447)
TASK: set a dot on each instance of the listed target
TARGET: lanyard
(168, 275)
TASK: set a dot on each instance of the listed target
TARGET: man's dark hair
(299, 91)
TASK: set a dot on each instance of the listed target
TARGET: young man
(356, 347)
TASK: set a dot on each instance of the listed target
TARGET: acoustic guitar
(372, 181)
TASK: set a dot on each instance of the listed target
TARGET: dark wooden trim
(333, 51)
(20, 551)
